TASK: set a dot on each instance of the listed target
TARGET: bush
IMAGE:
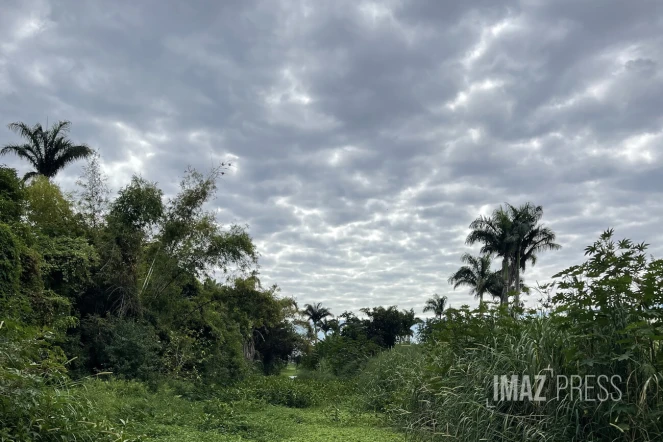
(10, 265)
(341, 355)
(12, 196)
(280, 390)
(37, 399)
(127, 348)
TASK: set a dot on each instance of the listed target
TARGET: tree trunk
(504, 299)
(249, 348)
(517, 277)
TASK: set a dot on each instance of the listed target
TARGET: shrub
(10, 264)
(37, 399)
(127, 348)
(280, 390)
(343, 355)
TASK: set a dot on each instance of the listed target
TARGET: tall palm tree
(316, 313)
(478, 276)
(436, 304)
(48, 151)
(530, 237)
(495, 234)
(515, 235)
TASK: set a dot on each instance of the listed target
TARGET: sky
(364, 136)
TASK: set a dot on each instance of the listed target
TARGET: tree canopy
(47, 150)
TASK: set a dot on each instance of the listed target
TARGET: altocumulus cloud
(365, 136)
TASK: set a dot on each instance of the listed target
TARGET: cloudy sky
(364, 136)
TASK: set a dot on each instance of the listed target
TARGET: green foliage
(10, 265)
(436, 304)
(612, 309)
(138, 205)
(275, 345)
(127, 348)
(386, 326)
(390, 380)
(280, 390)
(478, 276)
(12, 196)
(37, 400)
(167, 415)
(48, 151)
(133, 279)
(605, 320)
(49, 211)
(316, 313)
(342, 355)
(67, 264)
(515, 235)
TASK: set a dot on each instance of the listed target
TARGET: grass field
(167, 416)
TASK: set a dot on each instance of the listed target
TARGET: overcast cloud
(365, 136)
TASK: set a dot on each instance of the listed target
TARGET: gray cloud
(364, 136)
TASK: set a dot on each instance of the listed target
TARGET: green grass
(167, 416)
(289, 370)
(269, 423)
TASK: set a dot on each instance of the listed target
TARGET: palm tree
(478, 276)
(329, 325)
(495, 234)
(515, 235)
(436, 304)
(316, 313)
(530, 238)
(48, 151)
(533, 238)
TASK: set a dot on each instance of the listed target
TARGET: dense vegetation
(602, 317)
(138, 317)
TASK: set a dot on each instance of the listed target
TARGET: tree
(495, 234)
(515, 235)
(49, 211)
(93, 199)
(476, 275)
(48, 151)
(12, 196)
(316, 313)
(330, 325)
(189, 241)
(134, 213)
(436, 304)
(385, 326)
(531, 239)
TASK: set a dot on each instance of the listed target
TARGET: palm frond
(30, 175)
(48, 151)
(56, 129)
(67, 154)
(24, 151)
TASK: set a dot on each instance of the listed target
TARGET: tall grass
(442, 392)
